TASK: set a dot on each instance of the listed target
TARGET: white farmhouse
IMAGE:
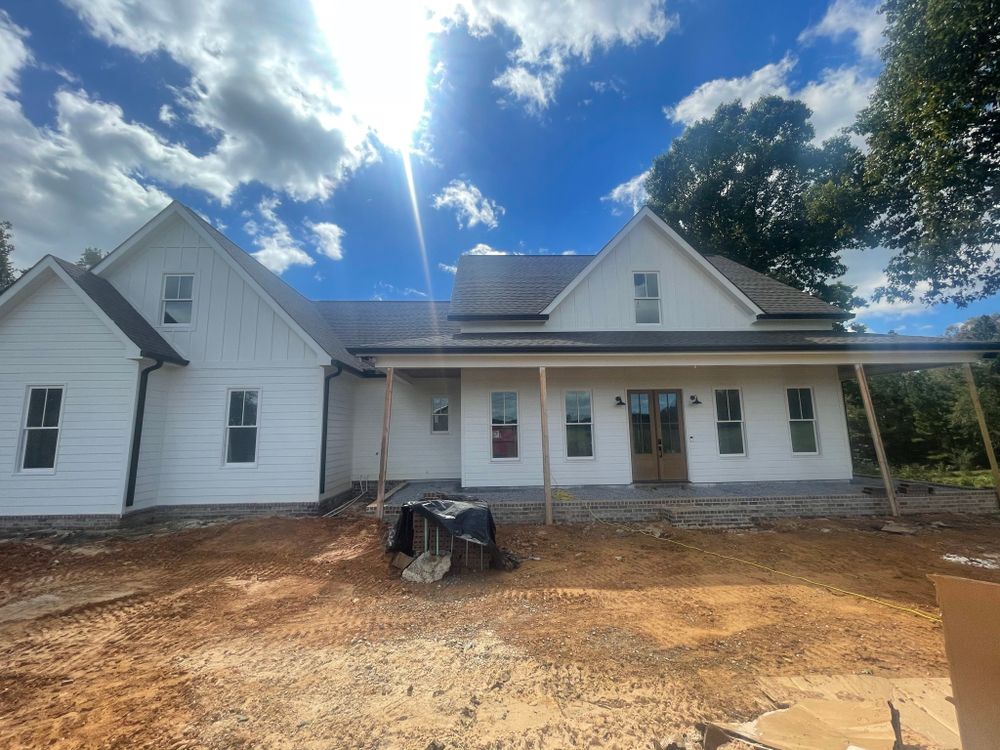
(180, 374)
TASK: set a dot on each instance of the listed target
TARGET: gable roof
(374, 322)
(110, 305)
(528, 287)
(511, 287)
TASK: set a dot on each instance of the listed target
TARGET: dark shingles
(370, 322)
(669, 341)
(298, 308)
(771, 296)
(127, 318)
(511, 285)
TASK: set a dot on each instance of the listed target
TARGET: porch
(724, 504)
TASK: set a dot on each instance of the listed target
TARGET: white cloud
(384, 290)
(551, 37)
(329, 238)
(834, 98)
(483, 249)
(276, 248)
(865, 271)
(167, 115)
(470, 205)
(631, 194)
(861, 20)
(448, 268)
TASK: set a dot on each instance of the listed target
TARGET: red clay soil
(283, 633)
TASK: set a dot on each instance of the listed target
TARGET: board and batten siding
(231, 322)
(414, 451)
(690, 298)
(769, 453)
(54, 338)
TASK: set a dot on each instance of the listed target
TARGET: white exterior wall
(769, 454)
(53, 338)
(414, 451)
(340, 433)
(690, 298)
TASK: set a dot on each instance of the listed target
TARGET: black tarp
(464, 518)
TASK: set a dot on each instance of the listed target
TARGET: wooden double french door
(656, 429)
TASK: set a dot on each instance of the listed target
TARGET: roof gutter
(986, 347)
(140, 412)
(161, 358)
(326, 423)
(806, 316)
(498, 316)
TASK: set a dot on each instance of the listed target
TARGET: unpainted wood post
(983, 428)
(383, 458)
(883, 463)
(546, 468)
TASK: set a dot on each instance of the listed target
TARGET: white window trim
(593, 431)
(163, 301)
(447, 397)
(742, 421)
(814, 420)
(489, 445)
(658, 298)
(23, 436)
(225, 425)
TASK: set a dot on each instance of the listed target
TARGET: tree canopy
(749, 183)
(933, 128)
(7, 274)
(90, 257)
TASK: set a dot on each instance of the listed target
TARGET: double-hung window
(40, 435)
(503, 424)
(178, 299)
(802, 420)
(579, 425)
(439, 414)
(241, 426)
(729, 422)
(646, 286)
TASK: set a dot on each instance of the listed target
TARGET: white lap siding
(339, 436)
(52, 338)
(414, 451)
(769, 453)
(192, 469)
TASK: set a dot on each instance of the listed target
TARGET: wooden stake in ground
(546, 469)
(383, 458)
(983, 429)
(883, 463)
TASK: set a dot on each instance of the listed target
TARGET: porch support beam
(883, 463)
(983, 429)
(383, 456)
(543, 395)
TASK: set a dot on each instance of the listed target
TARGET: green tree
(748, 183)
(7, 275)
(90, 257)
(933, 128)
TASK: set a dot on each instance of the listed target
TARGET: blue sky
(291, 127)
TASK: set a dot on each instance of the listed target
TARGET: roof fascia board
(499, 316)
(48, 263)
(646, 213)
(805, 316)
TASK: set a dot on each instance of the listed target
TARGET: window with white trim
(646, 285)
(729, 421)
(503, 424)
(579, 425)
(439, 414)
(178, 299)
(802, 420)
(241, 426)
(40, 432)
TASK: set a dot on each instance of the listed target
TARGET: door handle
(659, 448)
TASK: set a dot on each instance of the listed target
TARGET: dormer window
(178, 299)
(647, 296)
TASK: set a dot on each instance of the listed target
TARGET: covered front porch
(722, 504)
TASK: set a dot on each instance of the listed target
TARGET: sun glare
(382, 49)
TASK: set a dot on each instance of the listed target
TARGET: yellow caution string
(775, 571)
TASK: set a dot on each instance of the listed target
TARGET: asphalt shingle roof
(127, 318)
(373, 322)
(771, 296)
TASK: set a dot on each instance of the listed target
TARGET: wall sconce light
(618, 401)
(695, 401)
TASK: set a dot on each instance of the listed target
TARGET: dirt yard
(284, 633)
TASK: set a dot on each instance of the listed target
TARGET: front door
(656, 427)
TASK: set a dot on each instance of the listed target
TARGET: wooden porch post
(546, 472)
(983, 429)
(883, 463)
(383, 456)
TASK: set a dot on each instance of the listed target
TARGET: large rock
(427, 568)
